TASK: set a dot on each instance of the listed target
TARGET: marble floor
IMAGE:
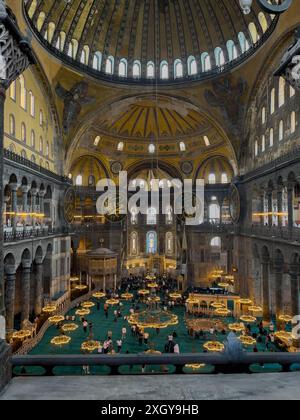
(274, 386)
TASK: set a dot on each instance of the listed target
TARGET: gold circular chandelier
(283, 335)
(223, 285)
(214, 347)
(83, 312)
(248, 319)
(255, 309)
(67, 328)
(193, 300)
(90, 346)
(112, 302)
(222, 312)
(247, 340)
(143, 292)
(152, 285)
(175, 295)
(245, 302)
(217, 305)
(49, 309)
(127, 296)
(56, 319)
(81, 287)
(99, 295)
(285, 318)
(153, 319)
(74, 279)
(21, 335)
(88, 305)
(236, 327)
(61, 340)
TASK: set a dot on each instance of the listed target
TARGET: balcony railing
(224, 363)
(21, 235)
(33, 166)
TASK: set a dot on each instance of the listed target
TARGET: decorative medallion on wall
(187, 167)
(116, 168)
(70, 205)
(234, 204)
(116, 215)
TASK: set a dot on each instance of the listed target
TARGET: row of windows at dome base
(206, 61)
(151, 147)
(212, 180)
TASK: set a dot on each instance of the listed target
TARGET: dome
(87, 171)
(216, 170)
(144, 40)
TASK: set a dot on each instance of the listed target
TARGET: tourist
(119, 345)
(85, 326)
(91, 327)
(100, 349)
(124, 333)
(175, 335)
(146, 338)
(106, 347)
(272, 327)
(133, 330)
(176, 349)
(141, 338)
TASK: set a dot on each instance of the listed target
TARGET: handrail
(216, 71)
(29, 345)
(223, 362)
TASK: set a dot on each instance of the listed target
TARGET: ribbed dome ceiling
(149, 30)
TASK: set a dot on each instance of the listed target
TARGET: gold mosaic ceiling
(146, 30)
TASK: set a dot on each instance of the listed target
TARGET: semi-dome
(152, 39)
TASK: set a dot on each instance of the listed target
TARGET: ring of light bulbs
(275, 9)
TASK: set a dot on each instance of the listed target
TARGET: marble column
(266, 290)
(26, 275)
(39, 287)
(25, 190)
(280, 206)
(291, 205)
(14, 203)
(270, 208)
(278, 275)
(33, 193)
(10, 296)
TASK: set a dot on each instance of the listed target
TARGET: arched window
(169, 243)
(281, 131)
(137, 69)
(253, 32)
(12, 148)
(212, 178)
(206, 141)
(24, 154)
(271, 137)
(214, 213)
(134, 214)
(12, 125)
(47, 149)
(178, 69)
(109, 66)
(216, 242)
(47, 166)
(97, 61)
(164, 70)
(192, 66)
(263, 143)
(123, 68)
(32, 104)
(151, 149)
(263, 115)
(232, 50)
(151, 243)
(41, 145)
(292, 91)
(51, 30)
(33, 159)
(263, 21)
(281, 92)
(219, 57)
(23, 132)
(60, 42)
(134, 243)
(79, 181)
(41, 118)
(224, 178)
(272, 101)
(85, 53)
(23, 93)
(73, 48)
(13, 91)
(32, 137)
(150, 70)
(40, 21)
(120, 147)
(32, 8)
(97, 141)
(182, 146)
(91, 181)
(244, 43)
(151, 216)
(256, 148)
(169, 215)
(293, 122)
(206, 62)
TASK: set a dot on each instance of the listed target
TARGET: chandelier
(266, 6)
